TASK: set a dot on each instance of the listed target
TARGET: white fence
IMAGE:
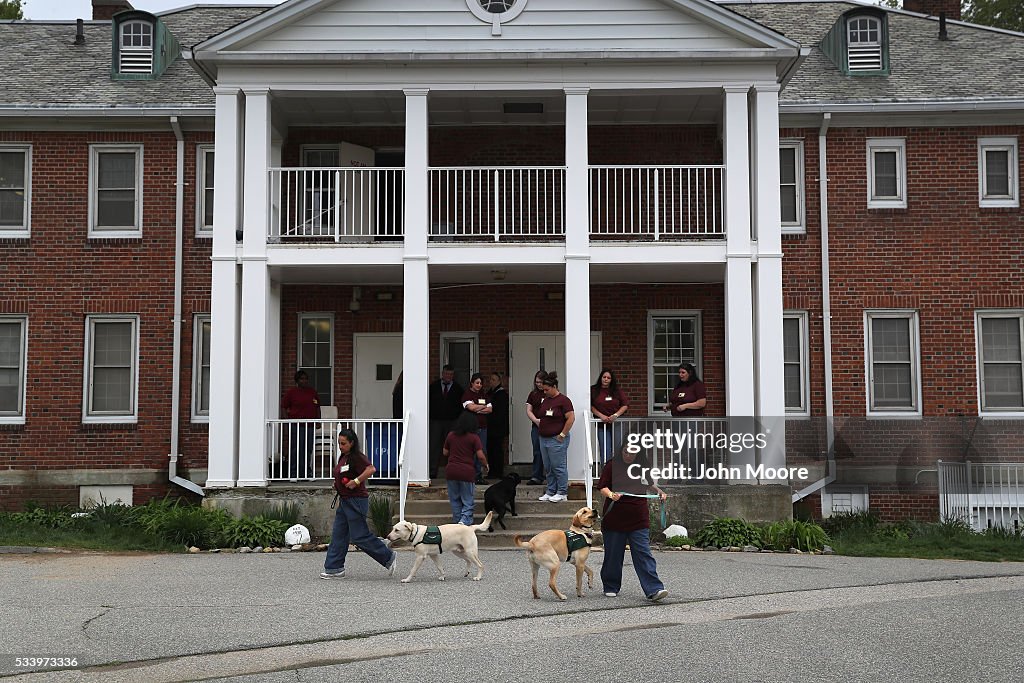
(492, 203)
(982, 494)
(339, 204)
(605, 439)
(307, 450)
(656, 202)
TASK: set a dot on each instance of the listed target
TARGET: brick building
(491, 185)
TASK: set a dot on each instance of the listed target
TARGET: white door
(376, 365)
(530, 352)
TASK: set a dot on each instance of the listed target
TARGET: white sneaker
(609, 594)
(660, 595)
(545, 497)
(393, 564)
(557, 498)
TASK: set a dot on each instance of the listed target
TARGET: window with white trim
(111, 368)
(887, 173)
(316, 353)
(672, 338)
(795, 363)
(1001, 360)
(135, 48)
(201, 368)
(893, 362)
(864, 44)
(791, 185)
(115, 191)
(15, 190)
(997, 172)
(204, 190)
(13, 353)
(461, 351)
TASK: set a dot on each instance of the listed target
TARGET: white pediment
(401, 27)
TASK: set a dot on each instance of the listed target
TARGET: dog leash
(661, 506)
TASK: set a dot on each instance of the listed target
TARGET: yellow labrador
(550, 549)
(459, 539)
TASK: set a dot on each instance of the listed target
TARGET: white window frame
(980, 361)
(473, 338)
(698, 351)
(800, 226)
(898, 145)
(26, 223)
(132, 416)
(131, 51)
(303, 316)
(1008, 145)
(116, 231)
(865, 47)
(198, 415)
(202, 229)
(915, 363)
(19, 416)
(804, 410)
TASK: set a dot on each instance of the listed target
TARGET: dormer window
(864, 44)
(136, 48)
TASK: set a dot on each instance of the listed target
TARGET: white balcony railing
(336, 204)
(494, 203)
(307, 450)
(656, 202)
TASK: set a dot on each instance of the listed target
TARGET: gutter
(63, 110)
(179, 236)
(826, 318)
(925, 106)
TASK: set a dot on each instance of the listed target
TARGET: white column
(576, 384)
(224, 340)
(770, 398)
(252, 438)
(416, 288)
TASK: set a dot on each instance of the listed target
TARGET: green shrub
(806, 536)
(1003, 533)
(678, 541)
(726, 531)
(255, 531)
(846, 522)
(381, 512)
(286, 512)
(50, 518)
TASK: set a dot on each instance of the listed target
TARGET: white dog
(459, 539)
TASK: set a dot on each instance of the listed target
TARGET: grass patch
(85, 535)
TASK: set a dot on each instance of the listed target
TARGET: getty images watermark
(696, 456)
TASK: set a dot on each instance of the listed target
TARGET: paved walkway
(730, 616)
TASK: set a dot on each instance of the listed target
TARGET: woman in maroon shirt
(556, 419)
(475, 401)
(301, 403)
(532, 411)
(463, 449)
(625, 519)
(689, 396)
(607, 403)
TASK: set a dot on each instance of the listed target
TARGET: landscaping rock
(270, 550)
(258, 549)
(245, 549)
(827, 550)
(323, 546)
(750, 549)
(214, 550)
(194, 549)
(298, 546)
(795, 551)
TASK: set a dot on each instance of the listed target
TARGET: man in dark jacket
(445, 399)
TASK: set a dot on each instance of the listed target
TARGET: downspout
(826, 315)
(179, 236)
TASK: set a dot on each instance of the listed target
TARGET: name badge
(343, 468)
(550, 413)
(682, 395)
(481, 401)
(607, 398)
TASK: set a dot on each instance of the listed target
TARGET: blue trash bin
(382, 444)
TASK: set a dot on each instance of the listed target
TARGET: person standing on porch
(532, 411)
(350, 475)
(475, 401)
(689, 396)
(301, 402)
(497, 426)
(445, 401)
(396, 399)
(556, 419)
(463, 450)
(608, 404)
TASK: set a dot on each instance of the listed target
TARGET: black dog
(500, 496)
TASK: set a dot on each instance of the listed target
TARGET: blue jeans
(538, 459)
(478, 466)
(555, 454)
(350, 527)
(643, 561)
(460, 495)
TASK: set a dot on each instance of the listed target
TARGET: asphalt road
(729, 617)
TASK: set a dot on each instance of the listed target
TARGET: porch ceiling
(650, 273)
(296, 108)
(337, 275)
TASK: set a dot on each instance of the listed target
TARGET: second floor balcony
(478, 204)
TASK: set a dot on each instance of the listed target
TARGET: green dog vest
(432, 536)
(574, 542)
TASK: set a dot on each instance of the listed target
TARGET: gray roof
(974, 64)
(43, 67)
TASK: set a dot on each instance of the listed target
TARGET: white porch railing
(492, 203)
(607, 438)
(336, 204)
(982, 494)
(656, 202)
(307, 450)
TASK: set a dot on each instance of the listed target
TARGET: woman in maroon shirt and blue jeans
(625, 519)
(556, 418)
(463, 449)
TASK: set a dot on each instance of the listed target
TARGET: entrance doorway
(377, 362)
